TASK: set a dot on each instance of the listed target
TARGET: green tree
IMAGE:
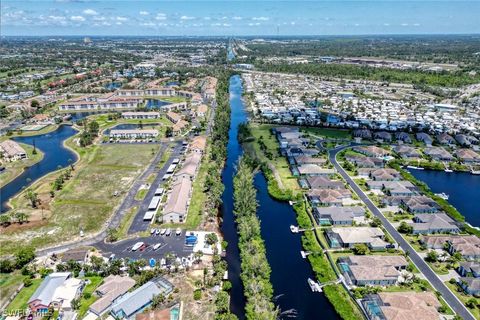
(432, 256)
(405, 228)
(158, 300)
(35, 104)
(23, 256)
(21, 217)
(31, 196)
(360, 249)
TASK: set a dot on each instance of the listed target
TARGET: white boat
(416, 168)
(178, 231)
(475, 172)
(315, 287)
(442, 195)
(293, 229)
(448, 170)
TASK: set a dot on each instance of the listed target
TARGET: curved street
(447, 295)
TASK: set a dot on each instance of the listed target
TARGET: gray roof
(46, 290)
(135, 300)
(341, 213)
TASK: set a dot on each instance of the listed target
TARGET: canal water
(463, 189)
(289, 271)
(55, 156)
(155, 103)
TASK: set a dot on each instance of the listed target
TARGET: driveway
(431, 276)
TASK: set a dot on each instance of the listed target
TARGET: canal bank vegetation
(255, 273)
(15, 168)
(98, 183)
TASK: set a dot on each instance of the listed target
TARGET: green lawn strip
(95, 281)
(458, 291)
(328, 132)
(20, 133)
(343, 303)
(126, 222)
(21, 299)
(199, 197)
(141, 194)
(9, 282)
(15, 168)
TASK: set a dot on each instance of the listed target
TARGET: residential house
(176, 208)
(403, 136)
(112, 288)
(328, 197)
(467, 245)
(338, 215)
(407, 152)
(12, 151)
(438, 154)
(140, 115)
(444, 138)
(382, 136)
(372, 270)
(420, 204)
(320, 182)
(462, 140)
(314, 170)
(469, 268)
(468, 155)
(402, 305)
(372, 151)
(132, 303)
(303, 159)
(365, 162)
(470, 285)
(385, 175)
(202, 110)
(56, 291)
(425, 138)
(362, 133)
(429, 223)
(133, 133)
(77, 254)
(348, 237)
(393, 188)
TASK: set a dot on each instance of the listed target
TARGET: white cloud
(90, 12)
(77, 18)
(161, 16)
(260, 18)
(186, 18)
(237, 18)
(416, 24)
(207, 18)
(227, 25)
(386, 24)
(122, 19)
(254, 24)
(148, 24)
(292, 23)
(144, 13)
(216, 24)
(99, 18)
(404, 24)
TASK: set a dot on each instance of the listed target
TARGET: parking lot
(169, 244)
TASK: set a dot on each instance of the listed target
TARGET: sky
(237, 18)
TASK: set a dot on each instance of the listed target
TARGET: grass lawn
(141, 194)
(328, 132)
(439, 267)
(15, 168)
(9, 282)
(20, 133)
(199, 197)
(464, 298)
(86, 201)
(95, 281)
(278, 162)
(21, 299)
(126, 222)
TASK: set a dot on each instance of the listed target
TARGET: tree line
(255, 273)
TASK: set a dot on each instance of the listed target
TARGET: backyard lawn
(328, 132)
(89, 289)
(21, 299)
(15, 168)
(9, 282)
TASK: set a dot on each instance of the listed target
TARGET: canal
(55, 156)
(289, 271)
(463, 189)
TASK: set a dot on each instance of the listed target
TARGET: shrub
(197, 294)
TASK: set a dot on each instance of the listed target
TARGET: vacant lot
(86, 201)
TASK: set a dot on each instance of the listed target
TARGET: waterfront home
(467, 245)
(320, 182)
(386, 174)
(191, 165)
(372, 270)
(348, 237)
(462, 140)
(112, 288)
(328, 197)
(407, 152)
(133, 133)
(425, 138)
(428, 223)
(314, 170)
(132, 303)
(365, 162)
(403, 136)
(198, 144)
(469, 268)
(178, 200)
(56, 291)
(338, 215)
(119, 103)
(402, 305)
(303, 159)
(12, 151)
(420, 204)
(394, 200)
(445, 138)
(438, 154)
(468, 155)
(160, 92)
(130, 93)
(372, 151)
(140, 115)
(470, 285)
(393, 188)
(382, 136)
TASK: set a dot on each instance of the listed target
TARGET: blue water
(155, 103)
(289, 271)
(55, 156)
(172, 83)
(463, 189)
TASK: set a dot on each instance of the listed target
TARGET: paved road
(138, 223)
(436, 282)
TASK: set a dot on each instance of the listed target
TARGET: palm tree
(21, 217)
(32, 196)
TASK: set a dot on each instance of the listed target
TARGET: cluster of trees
(18, 216)
(57, 184)
(255, 268)
(420, 78)
(89, 133)
(21, 259)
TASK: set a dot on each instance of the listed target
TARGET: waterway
(155, 103)
(55, 156)
(463, 190)
(289, 271)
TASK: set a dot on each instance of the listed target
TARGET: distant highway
(436, 282)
